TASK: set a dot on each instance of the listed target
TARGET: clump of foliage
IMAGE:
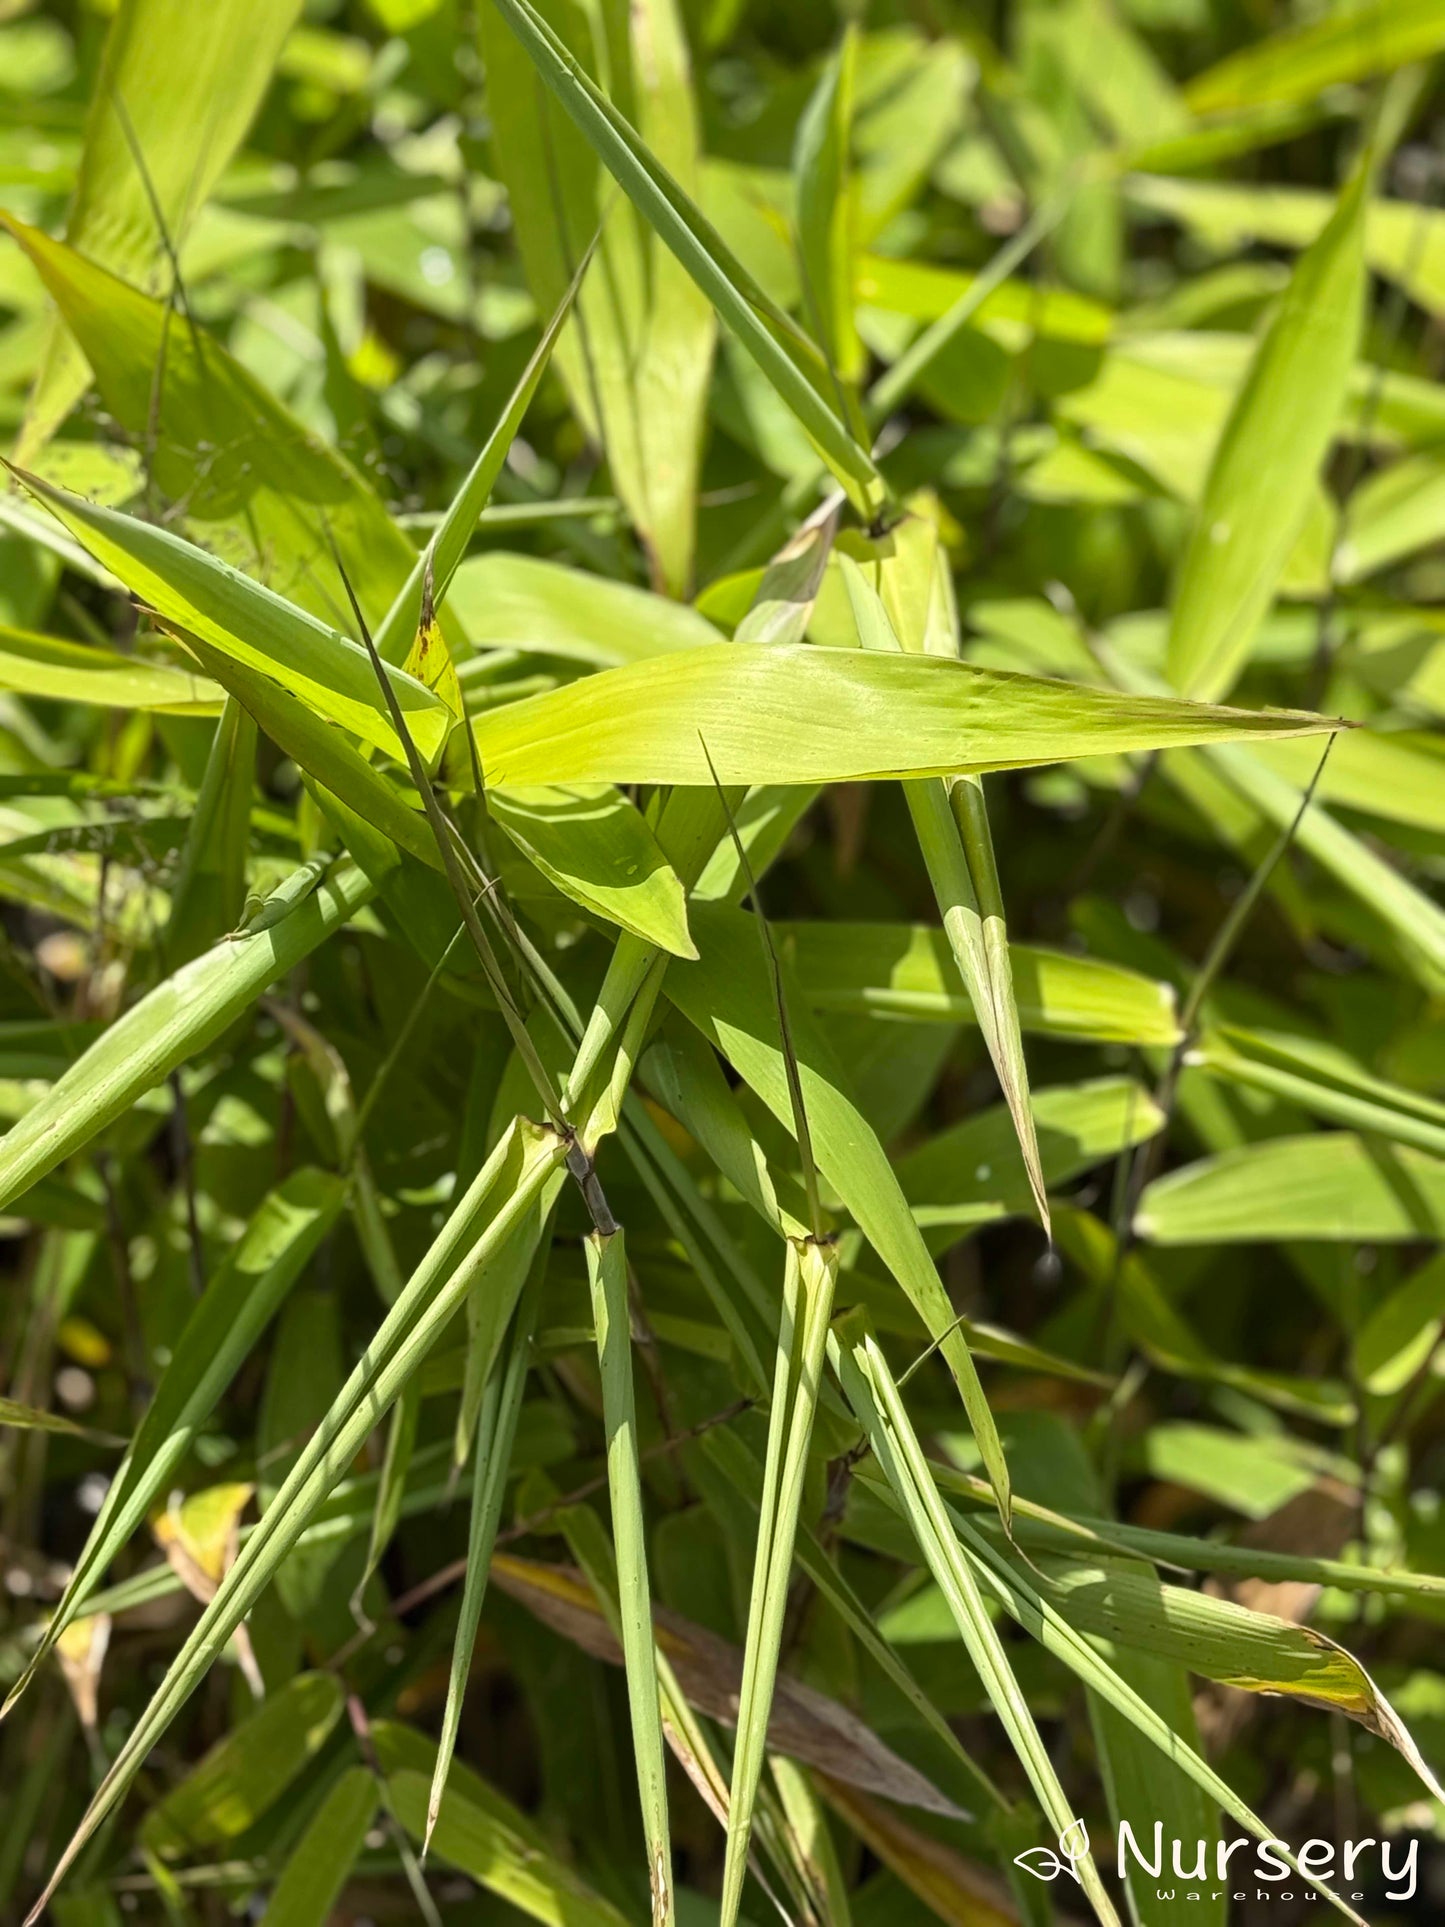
(719, 1038)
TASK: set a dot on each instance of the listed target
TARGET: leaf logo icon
(1044, 1864)
(1074, 1843)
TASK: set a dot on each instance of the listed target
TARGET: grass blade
(496, 1431)
(810, 1274)
(607, 1277)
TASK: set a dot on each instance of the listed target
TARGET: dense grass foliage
(720, 1057)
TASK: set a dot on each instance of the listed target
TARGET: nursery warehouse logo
(1189, 1876)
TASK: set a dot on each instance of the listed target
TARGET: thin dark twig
(580, 1165)
(443, 831)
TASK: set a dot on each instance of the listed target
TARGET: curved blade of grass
(239, 1302)
(439, 561)
(607, 1278)
(762, 329)
(519, 1182)
(210, 888)
(178, 1019)
(258, 628)
(810, 1273)
(496, 1432)
(249, 480)
(874, 1397)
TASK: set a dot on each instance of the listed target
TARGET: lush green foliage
(533, 1388)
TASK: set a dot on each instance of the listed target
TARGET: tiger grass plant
(724, 1128)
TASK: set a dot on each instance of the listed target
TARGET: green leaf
(973, 1173)
(812, 715)
(252, 624)
(637, 360)
(594, 844)
(1404, 242)
(809, 1276)
(774, 344)
(325, 1854)
(607, 1277)
(906, 970)
(483, 1835)
(251, 482)
(826, 206)
(1333, 1186)
(180, 1017)
(782, 604)
(244, 1775)
(1303, 60)
(1255, 1652)
(182, 87)
(26, 1418)
(539, 607)
(1399, 1337)
(1269, 454)
(74, 672)
(1323, 1081)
